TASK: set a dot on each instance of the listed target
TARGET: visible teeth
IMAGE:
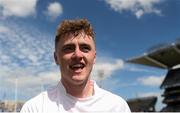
(77, 66)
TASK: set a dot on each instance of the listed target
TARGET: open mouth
(77, 66)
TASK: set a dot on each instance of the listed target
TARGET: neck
(83, 90)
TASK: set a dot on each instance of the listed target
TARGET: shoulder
(37, 103)
(117, 102)
(114, 97)
(34, 103)
(107, 95)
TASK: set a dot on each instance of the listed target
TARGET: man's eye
(68, 49)
(85, 49)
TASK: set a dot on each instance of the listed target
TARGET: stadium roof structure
(172, 79)
(165, 57)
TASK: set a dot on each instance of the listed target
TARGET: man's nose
(77, 53)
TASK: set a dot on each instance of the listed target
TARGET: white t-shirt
(57, 100)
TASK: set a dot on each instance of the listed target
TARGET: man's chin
(78, 81)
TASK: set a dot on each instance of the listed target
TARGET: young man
(75, 54)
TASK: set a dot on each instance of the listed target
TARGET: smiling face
(75, 55)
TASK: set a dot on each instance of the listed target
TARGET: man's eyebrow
(85, 44)
(69, 44)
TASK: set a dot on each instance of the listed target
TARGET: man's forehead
(81, 36)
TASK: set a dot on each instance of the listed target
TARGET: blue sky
(124, 29)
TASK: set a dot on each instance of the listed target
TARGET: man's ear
(55, 58)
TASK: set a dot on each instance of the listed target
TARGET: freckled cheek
(64, 67)
(65, 60)
(90, 60)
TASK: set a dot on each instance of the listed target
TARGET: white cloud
(4, 29)
(20, 8)
(137, 7)
(24, 46)
(151, 80)
(27, 54)
(105, 67)
(30, 80)
(139, 13)
(138, 68)
(54, 10)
